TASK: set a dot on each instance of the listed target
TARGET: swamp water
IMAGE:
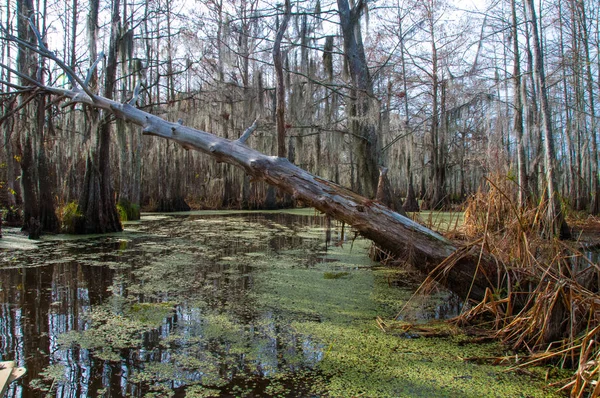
(227, 304)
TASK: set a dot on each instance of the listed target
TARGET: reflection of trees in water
(25, 300)
(40, 304)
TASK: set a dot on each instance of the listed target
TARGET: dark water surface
(170, 304)
(271, 304)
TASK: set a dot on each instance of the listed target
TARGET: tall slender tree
(556, 223)
(518, 109)
(280, 93)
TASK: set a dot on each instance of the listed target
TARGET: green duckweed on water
(249, 304)
(335, 275)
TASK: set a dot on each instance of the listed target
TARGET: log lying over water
(424, 249)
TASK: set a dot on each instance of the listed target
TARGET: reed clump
(546, 305)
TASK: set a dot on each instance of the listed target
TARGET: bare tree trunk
(31, 215)
(278, 63)
(39, 209)
(531, 109)
(597, 35)
(385, 195)
(437, 196)
(518, 104)
(97, 201)
(555, 218)
(48, 219)
(131, 71)
(280, 99)
(10, 197)
(594, 187)
(573, 182)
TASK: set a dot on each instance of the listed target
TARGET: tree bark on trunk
(47, 207)
(26, 65)
(31, 215)
(555, 217)
(278, 63)
(594, 186)
(437, 191)
(411, 204)
(518, 118)
(361, 119)
(280, 100)
(39, 208)
(97, 202)
(385, 195)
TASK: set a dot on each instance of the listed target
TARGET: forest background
(442, 96)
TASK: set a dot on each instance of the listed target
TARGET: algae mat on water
(248, 304)
(359, 359)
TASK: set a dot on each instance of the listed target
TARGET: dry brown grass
(547, 305)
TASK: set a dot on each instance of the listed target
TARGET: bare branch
(90, 72)
(21, 75)
(21, 106)
(248, 132)
(136, 92)
(15, 86)
(38, 35)
(50, 55)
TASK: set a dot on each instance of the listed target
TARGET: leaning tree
(470, 274)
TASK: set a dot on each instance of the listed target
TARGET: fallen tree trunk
(470, 273)
(465, 270)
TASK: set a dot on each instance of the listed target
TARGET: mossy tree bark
(26, 65)
(411, 204)
(363, 116)
(385, 195)
(97, 202)
(131, 74)
(38, 207)
(47, 205)
(271, 200)
(10, 193)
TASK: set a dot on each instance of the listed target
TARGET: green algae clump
(128, 211)
(335, 275)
